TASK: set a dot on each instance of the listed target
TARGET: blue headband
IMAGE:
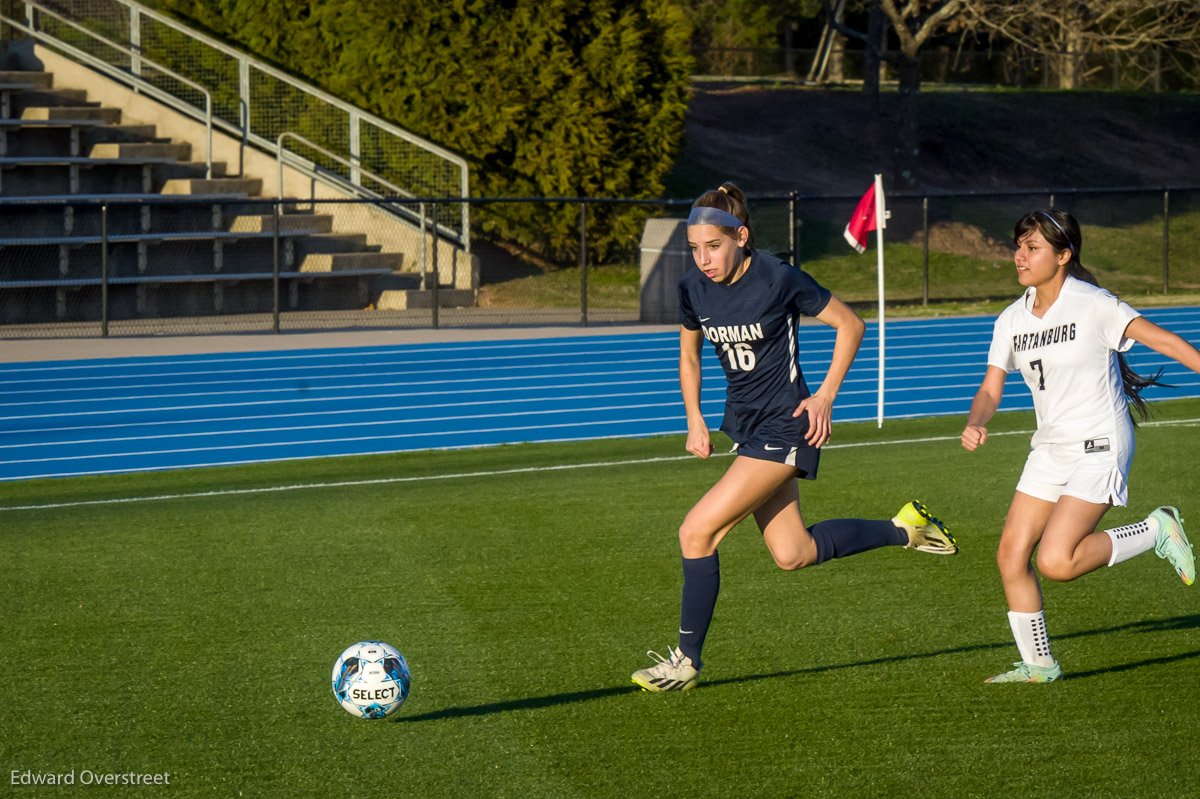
(707, 215)
(1060, 230)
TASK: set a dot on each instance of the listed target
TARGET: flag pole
(880, 221)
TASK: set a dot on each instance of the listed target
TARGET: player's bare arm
(1163, 341)
(850, 328)
(699, 440)
(983, 408)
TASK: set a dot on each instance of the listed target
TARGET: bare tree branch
(1049, 26)
(911, 41)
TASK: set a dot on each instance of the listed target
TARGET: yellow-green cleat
(1172, 543)
(675, 673)
(1028, 672)
(925, 533)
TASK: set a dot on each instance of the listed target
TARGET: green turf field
(195, 635)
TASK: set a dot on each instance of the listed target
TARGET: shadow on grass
(520, 704)
(1149, 626)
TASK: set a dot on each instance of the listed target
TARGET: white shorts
(1094, 471)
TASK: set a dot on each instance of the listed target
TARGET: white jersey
(1069, 361)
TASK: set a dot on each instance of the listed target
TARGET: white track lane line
(498, 472)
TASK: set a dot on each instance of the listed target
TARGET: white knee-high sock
(1029, 631)
(1132, 539)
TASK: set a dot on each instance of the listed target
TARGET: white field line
(824, 348)
(358, 371)
(522, 414)
(843, 407)
(711, 393)
(903, 329)
(668, 396)
(498, 472)
(330, 370)
(810, 353)
(424, 421)
(251, 358)
(334, 392)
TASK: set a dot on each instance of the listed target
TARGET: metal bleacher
(88, 201)
(101, 219)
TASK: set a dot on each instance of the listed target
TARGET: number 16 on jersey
(740, 355)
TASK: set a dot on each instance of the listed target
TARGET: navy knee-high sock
(701, 583)
(840, 538)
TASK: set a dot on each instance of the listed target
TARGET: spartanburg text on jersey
(1068, 358)
(753, 325)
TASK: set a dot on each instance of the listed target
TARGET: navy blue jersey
(752, 325)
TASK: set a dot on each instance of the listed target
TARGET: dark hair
(1061, 231)
(729, 198)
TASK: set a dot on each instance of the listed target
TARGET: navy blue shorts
(801, 456)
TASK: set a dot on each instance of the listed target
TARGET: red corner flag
(862, 222)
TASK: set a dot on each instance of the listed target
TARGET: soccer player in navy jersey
(748, 305)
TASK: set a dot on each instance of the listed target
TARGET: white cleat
(675, 673)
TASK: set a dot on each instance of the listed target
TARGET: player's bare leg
(1023, 529)
(745, 486)
(782, 525)
(1071, 546)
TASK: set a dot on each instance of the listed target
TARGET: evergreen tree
(558, 98)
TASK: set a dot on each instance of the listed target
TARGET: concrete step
(109, 115)
(264, 223)
(251, 186)
(53, 98)
(181, 152)
(338, 261)
(185, 170)
(51, 141)
(326, 243)
(42, 80)
(409, 299)
(130, 133)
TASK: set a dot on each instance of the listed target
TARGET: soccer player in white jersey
(1065, 335)
(748, 305)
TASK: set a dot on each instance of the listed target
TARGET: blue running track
(137, 414)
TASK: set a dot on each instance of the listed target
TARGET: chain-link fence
(151, 266)
(951, 249)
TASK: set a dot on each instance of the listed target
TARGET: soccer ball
(370, 680)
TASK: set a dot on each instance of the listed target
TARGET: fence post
(437, 278)
(424, 246)
(583, 262)
(244, 108)
(104, 270)
(135, 41)
(1166, 240)
(794, 257)
(275, 266)
(925, 251)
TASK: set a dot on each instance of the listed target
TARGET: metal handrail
(313, 169)
(140, 83)
(279, 153)
(241, 127)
